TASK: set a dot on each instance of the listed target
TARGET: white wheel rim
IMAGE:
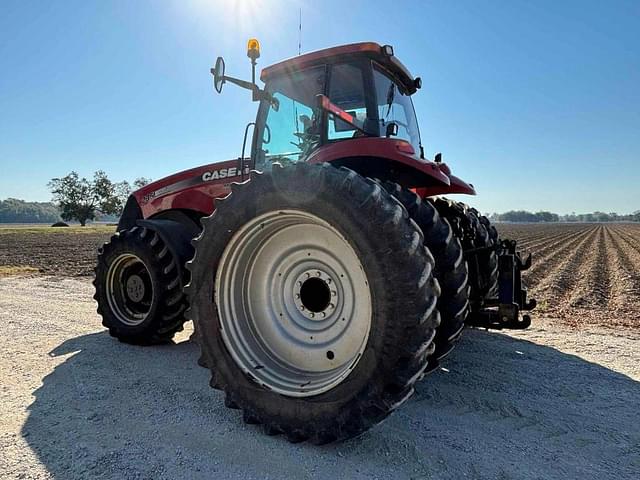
(294, 303)
(129, 289)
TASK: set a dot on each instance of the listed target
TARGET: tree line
(523, 216)
(74, 198)
(13, 210)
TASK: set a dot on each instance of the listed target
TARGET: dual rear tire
(369, 302)
(475, 233)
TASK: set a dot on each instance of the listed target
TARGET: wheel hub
(135, 288)
(294, 303)
(315, 294)
(129, 289)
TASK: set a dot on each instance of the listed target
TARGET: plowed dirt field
(583, 273)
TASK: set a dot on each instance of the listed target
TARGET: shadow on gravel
(506, 408)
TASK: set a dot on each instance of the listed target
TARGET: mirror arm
(258, 94)
(241, 83)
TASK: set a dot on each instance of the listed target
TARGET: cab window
(292, 129)
(346, 90)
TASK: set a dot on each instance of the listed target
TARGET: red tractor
(324, 273)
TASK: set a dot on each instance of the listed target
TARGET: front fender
(131, 213)
(177, 237)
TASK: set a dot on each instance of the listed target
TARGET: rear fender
(383, 158)
(456, 185)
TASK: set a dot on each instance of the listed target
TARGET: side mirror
(438, 158)
(218, 74)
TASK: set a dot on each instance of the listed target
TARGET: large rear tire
(370, 289)
(450, 268)
(473, 234)
(139, 286)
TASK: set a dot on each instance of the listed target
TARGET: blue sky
(536, 103)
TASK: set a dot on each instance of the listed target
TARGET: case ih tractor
(324, 272)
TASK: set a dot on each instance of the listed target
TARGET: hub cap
(129, 289)
(294, 303)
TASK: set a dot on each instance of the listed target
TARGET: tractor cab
(332, 95)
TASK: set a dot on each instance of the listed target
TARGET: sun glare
(243, 15)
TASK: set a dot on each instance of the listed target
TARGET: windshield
(395, 107)
(292, 130)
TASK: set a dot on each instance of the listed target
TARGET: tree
(81, 199)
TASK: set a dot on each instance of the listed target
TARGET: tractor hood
(192, 189)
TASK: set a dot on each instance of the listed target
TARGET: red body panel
(193, 189)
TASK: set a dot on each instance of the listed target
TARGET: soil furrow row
(534, 242)
(545, 262)
(558, 278)
(625, 276)
(591, 276)
(632, 240)
(546, 245)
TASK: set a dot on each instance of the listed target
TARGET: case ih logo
(192, 181)
(222, 173)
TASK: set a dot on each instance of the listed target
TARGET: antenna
(300, 32)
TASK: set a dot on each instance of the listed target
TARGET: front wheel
(138, 287)
(315, 301)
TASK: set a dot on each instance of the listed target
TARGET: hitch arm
(505, 311)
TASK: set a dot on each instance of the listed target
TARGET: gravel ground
(545, 403)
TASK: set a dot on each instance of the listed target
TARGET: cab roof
(370, 50)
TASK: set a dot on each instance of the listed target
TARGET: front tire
(260, 243)
(139, 288)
